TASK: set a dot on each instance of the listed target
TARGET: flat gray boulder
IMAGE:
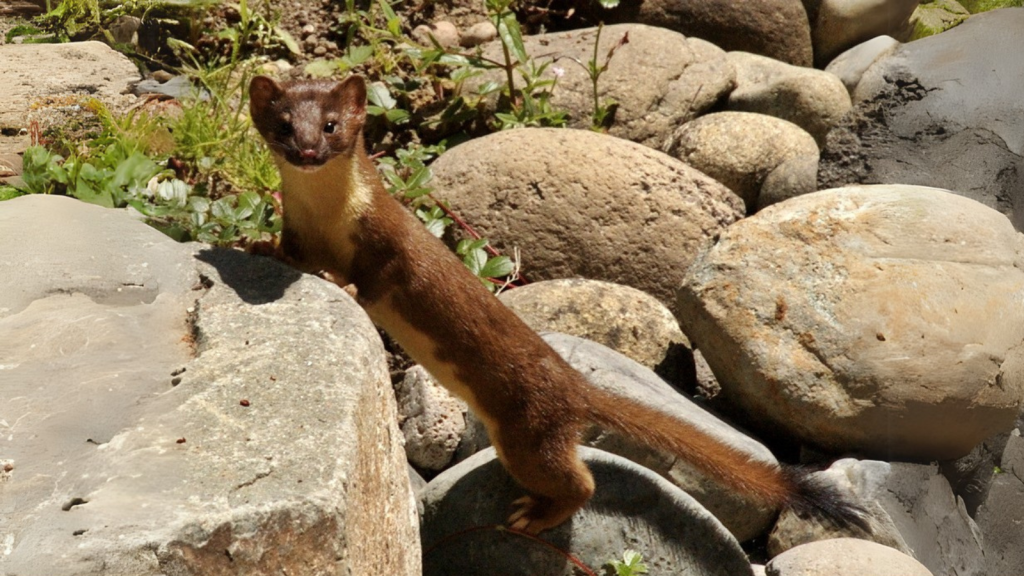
(879, 319)
(942, 111)
(999, 516)
(172, 409)
(31, 73)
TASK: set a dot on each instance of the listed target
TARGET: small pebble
(477, 34)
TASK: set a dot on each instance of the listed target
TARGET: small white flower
(558, 71)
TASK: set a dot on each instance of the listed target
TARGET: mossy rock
(978, 6)
(938, 16)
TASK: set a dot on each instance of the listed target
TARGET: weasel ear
(350, 97)
(262, 92)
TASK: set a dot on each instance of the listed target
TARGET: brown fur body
(339, 219)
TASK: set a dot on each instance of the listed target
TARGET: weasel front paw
(534, 515)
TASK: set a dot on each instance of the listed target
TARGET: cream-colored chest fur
(323, 208)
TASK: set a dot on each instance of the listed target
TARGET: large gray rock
(633, 508)
(914, 511)
(881, 319)
(778, 29)
(48, 84)
(999, 517)
(682, 77)
(174, 409)
(944, 111)
(579, 203)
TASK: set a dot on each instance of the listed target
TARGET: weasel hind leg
(558, 482)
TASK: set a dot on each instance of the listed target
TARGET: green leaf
(21, 30)
(436, 226)
(199, 204)
(356, 55)
(321, 68)
(497, 267)
(475, 260)
(136, 169)
(397, 116)
(419, 178)
(9, 192)
(631, 564)
(92, 174)
(288, 40)
(488, 88)
(88, 192)
(250, 200)
(378, 94)
(39, 165)
(512, 37)
(222, 209)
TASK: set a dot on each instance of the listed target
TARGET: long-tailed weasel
(339, 219)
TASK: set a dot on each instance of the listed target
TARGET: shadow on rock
(256, 279)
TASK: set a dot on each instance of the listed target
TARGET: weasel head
(309, 122)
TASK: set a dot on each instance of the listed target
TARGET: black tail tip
(814, 496)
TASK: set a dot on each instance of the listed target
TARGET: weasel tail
(778, 486)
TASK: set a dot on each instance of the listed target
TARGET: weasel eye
(285, 129)
(330, 127)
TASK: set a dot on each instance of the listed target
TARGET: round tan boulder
(845, 557)
(741, 149)
(881, 319)
(779, 29)
(580, 203)
(842, 24)
(812, 99)
(631, 322)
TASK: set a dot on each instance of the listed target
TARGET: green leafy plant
(255, 28)
(603, 112)
(69, 18)
(531, 105)
(199, 175)
(407, 177)
(630, 565)
(8, 192)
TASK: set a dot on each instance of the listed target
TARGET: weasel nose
(308, 154)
